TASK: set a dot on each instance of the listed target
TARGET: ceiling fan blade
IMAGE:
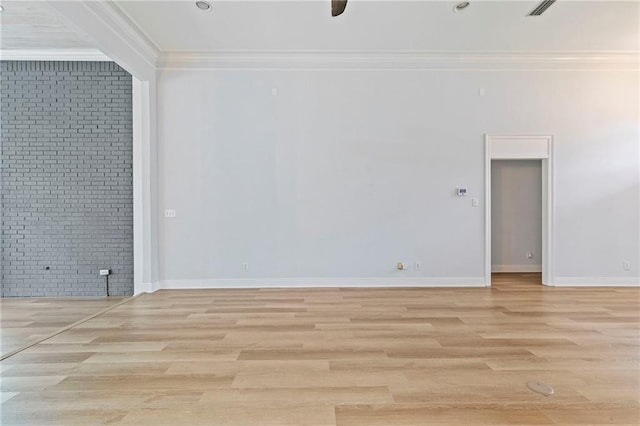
(337, 7)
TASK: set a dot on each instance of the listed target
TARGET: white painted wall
(516, 215)
(343, 173)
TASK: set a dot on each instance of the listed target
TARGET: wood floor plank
(300, 396)
(275, 380)
(399, 415)
(333, 356)
(411, 365)
(61, 416)
(234, 367)
(310, 354)
(598, 416)
(27, 319)
(125, 399)
(24, 383)
(144, 382)
(234, 416)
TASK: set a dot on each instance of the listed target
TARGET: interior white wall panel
(343, 173)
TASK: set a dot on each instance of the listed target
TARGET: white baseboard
(596, 282)
(322, 282)
(377, 282)
(146, 288)
(516, 268)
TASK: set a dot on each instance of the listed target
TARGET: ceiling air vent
(544, 5)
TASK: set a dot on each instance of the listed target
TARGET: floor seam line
(67, 328)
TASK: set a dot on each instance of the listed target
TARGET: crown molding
(53, 55)
(112, 15)
(113, 32)
(404, 60)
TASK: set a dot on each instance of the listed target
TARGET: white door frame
(522, 147)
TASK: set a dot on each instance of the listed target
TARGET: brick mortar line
(66, 167)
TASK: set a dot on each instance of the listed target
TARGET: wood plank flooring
(406, 356)
(27, 319)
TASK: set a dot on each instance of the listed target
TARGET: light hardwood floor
(340, 356)
(27, 319)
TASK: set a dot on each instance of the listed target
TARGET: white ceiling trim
(53, 55)
(120, 23)
(398, 60)
(114, 33)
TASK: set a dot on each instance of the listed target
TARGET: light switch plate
(169, 213)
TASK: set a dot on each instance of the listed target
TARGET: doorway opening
(516, 216)
(519, 205)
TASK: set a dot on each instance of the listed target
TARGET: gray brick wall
(67, 186)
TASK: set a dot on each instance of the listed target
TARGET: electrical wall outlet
(626, 265)
(245, 266)
(169, 213)
(105, 272)
(418, 266)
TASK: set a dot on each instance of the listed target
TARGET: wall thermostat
(461, 192)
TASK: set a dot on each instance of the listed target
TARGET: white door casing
(522, 147)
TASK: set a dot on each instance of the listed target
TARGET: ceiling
(35, 25)
(367, 25)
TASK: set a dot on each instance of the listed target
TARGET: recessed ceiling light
(461, 6)
(203, 5)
